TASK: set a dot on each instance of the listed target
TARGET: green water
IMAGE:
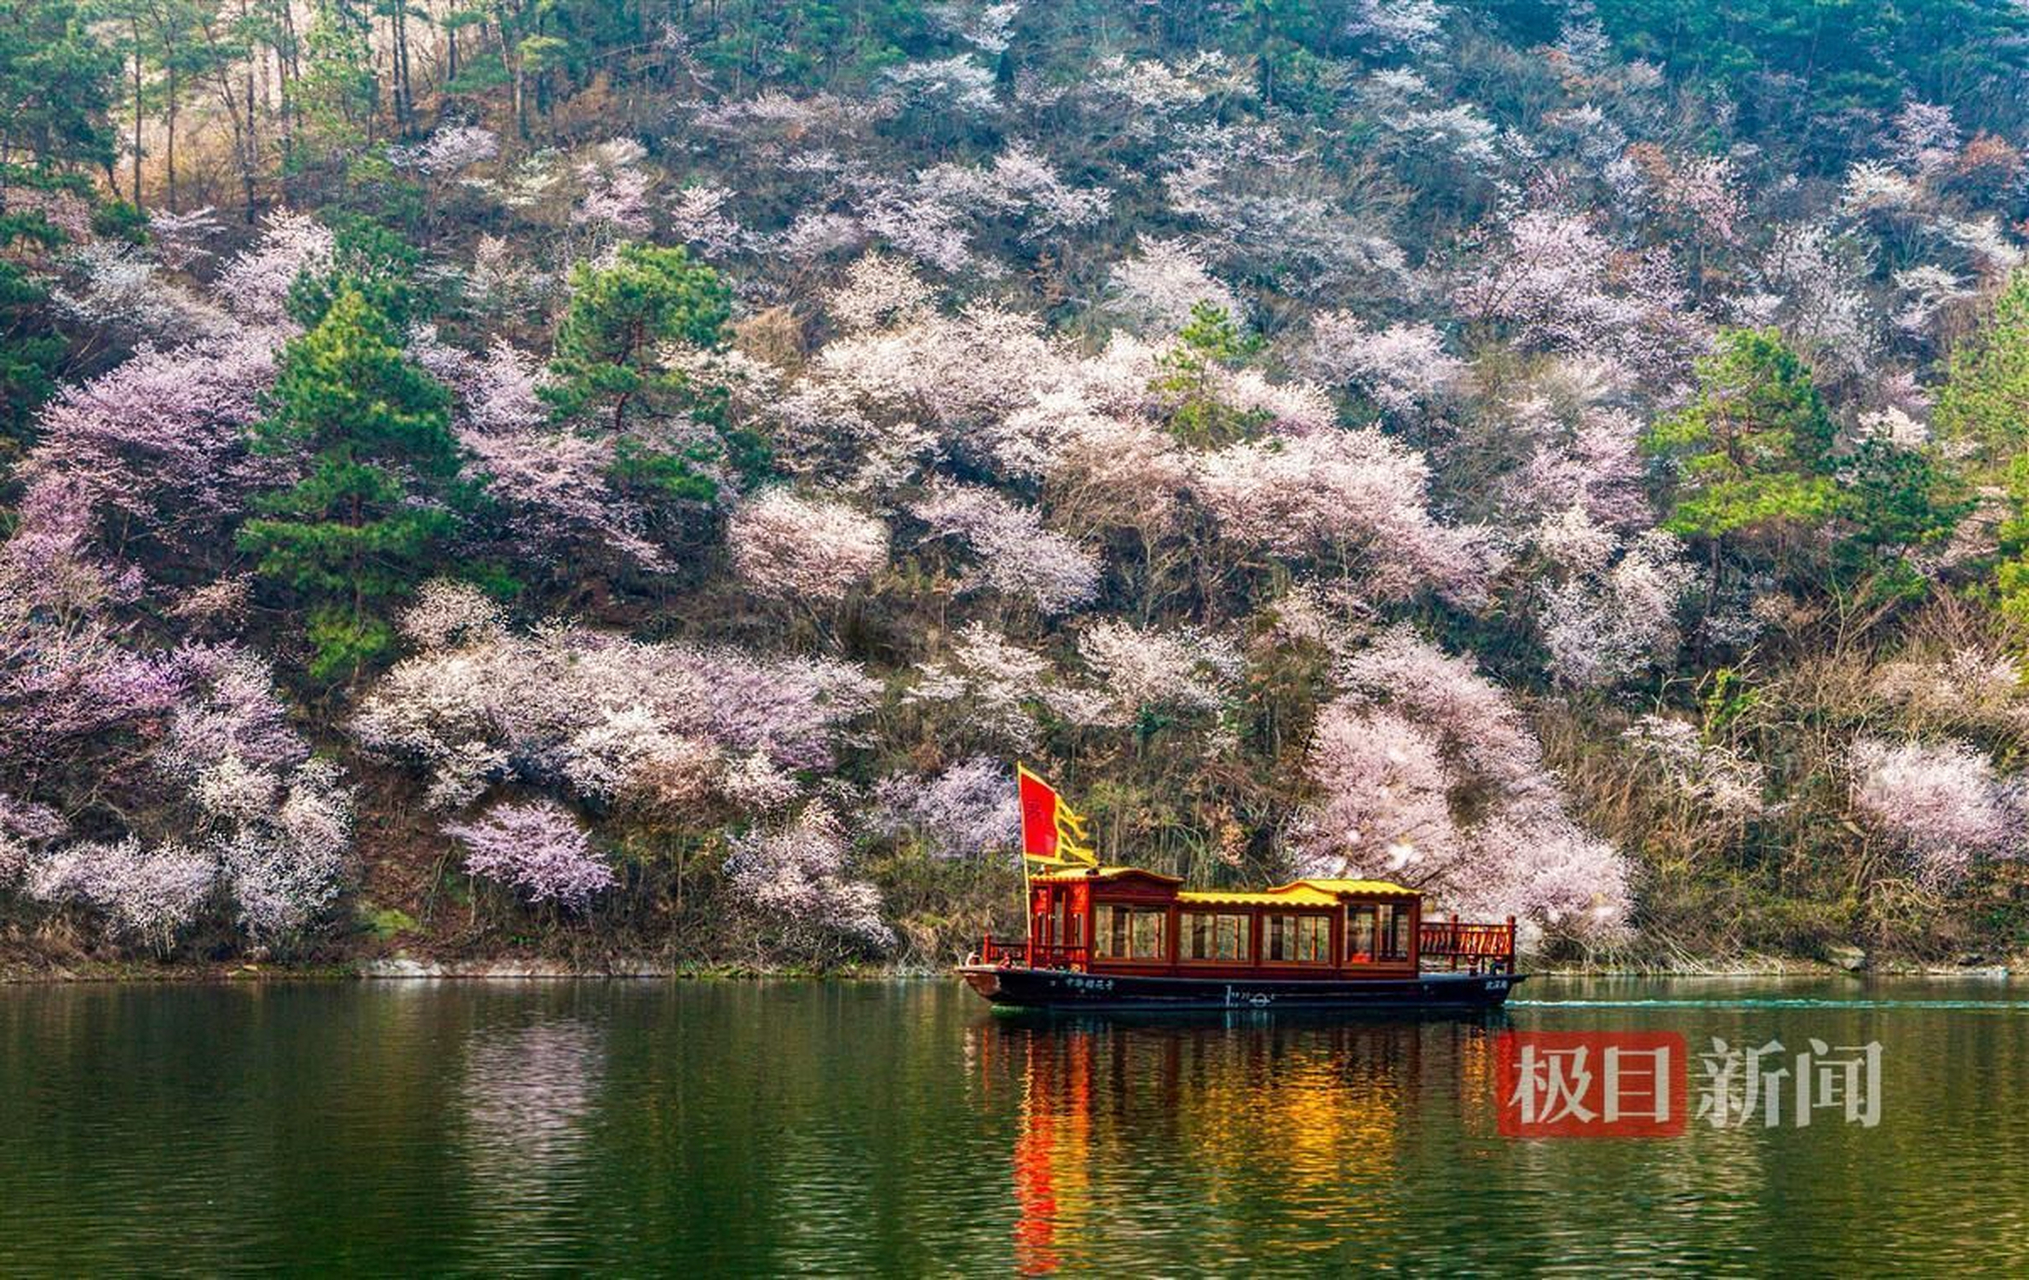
(900, 1128)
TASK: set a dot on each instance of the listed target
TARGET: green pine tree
(1754, 451)
(1984, 404)
(619, 319)
(2012, 575)
(1985, 397)
(30, 347)
(609, 371)
(361, 527)
(1208, 341)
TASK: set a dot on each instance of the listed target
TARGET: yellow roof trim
(1317, 891)
(1102, 873)
(1304, 897)
(1361, 888)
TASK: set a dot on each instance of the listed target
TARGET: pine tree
(364, 522)
(1984, 403)
(1985, 399)
(619, 318)
(608, 366)
(30, 347)
(1754, 451)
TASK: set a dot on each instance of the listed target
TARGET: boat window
(1360, 933)
(1298, 939)
(1129, 933)
(1148, 940)
(1392, 932)
(1208, 935)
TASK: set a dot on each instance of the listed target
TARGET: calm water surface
(734, 1129)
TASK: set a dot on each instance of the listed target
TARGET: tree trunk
(134, 33)
(404, 100)
(169, 113)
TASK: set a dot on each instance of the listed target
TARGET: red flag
(1051, 830)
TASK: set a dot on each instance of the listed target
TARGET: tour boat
(1122, 937)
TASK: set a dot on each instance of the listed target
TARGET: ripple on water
(899, 1128)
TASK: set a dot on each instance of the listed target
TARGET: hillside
(594, 479)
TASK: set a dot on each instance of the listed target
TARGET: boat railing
(1476, 946)
(1033, 955)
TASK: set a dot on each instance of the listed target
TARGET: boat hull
(1019, 988)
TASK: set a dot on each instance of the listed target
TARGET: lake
(900, 1127)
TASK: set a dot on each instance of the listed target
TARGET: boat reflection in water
(1216, 1122)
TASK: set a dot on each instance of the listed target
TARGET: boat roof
(1360, 888)
(1298, 896)
(1310, 892)
(1103, 873)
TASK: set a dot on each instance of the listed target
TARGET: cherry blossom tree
(1391, 766)
(1141, 669)
(798, 880)
(148, 892)
(792, 547)
(1400, 367)
(255, 284)
(1614, 612)
(538, 849)
(161, 439)
(992, 691)
(450, 150)
(1014, 554)
(25, 830)
(1942, 802)
(967, 811)
(1158, 287)
(1385, 792)
(1356, 497)
(878, 292)
(604, 715)
(1719, 778)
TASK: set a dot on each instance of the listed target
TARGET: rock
(399, 967)
(1969, 959)
(1851, 959)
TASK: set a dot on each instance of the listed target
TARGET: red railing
(1480, 946)
(1038, 955)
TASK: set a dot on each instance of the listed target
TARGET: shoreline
(407, 969)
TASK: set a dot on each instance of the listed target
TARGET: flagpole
(1028, 926)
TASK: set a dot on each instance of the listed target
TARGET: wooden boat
(1123, 937)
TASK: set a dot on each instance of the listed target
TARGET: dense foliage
(622, 478)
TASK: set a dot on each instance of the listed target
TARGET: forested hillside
(606, 478)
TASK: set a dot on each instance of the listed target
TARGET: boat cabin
(1128, 921)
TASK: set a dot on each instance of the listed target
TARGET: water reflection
(898, 1129)
(1229, 1114)
(527, 1095)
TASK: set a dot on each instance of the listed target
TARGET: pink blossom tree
(1015, 555)
(798, 881)
(1425, 771)
(967, 811)
(1400, 368)
(538, 849)
(791, 547)
(1943, 803)
(149, 892)
(1351, 498)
